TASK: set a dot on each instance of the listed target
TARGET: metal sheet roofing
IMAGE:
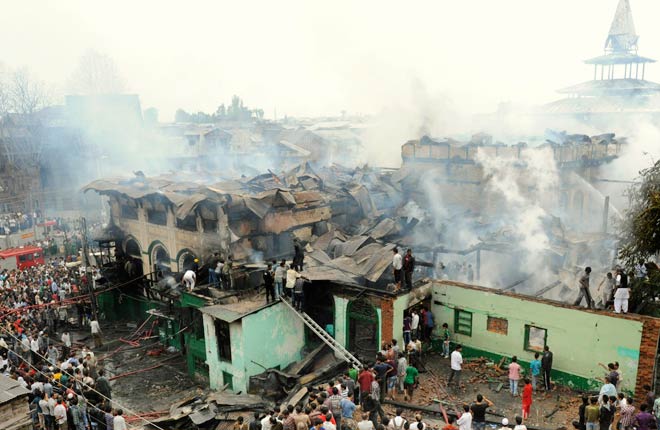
(11, 389)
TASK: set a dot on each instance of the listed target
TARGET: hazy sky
(314, 58)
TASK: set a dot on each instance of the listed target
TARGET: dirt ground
(433, 387)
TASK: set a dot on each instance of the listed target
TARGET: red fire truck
(21, 258)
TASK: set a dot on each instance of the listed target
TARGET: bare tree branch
(95, 74)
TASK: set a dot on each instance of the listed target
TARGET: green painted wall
(114, 307)
(271, 337)
(578, 339)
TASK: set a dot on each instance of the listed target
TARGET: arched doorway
(133, 263)
(185, 260)
(160, 259)
(362, 329)
(132, 248)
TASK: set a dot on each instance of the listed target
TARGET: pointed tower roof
(622, 37)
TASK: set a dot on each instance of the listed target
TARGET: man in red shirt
(365, 378)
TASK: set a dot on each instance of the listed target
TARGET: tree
(221, 112)
(27, 95)
(639, 233)
(640, 228)
(96, 73)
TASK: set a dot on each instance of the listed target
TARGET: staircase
(325, 337)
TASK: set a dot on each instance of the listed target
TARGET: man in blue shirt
(535, 367)
(347, 411)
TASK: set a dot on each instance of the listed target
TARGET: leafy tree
(639, 234)
(640, 228)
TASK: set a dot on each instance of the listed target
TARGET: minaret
(620, 71)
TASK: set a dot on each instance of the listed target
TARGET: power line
(71, 376)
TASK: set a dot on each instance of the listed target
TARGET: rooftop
(231, 312)
(11, 389)
(612, 87)
(628, 316)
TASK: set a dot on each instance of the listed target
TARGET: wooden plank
(301, 365)
(298, 396)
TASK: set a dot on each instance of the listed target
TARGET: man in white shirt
(34, 347)
(265, 421)
(60, 415)
(397, 265)
(398, 422)
(118, 422)
(66, 342)
(365, 424)
(465, 420)
(291, 276)
(456, 366)
(96, 333)
(414, 324)
(189, 279)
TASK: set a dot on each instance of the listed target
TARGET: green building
(247, 337)
(177, 322)
(499, 324)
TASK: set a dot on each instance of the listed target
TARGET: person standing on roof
(291, 276)
(408, 268)
(280, 279)
(213, 275)
(397, 265)
(226, 274)
(269, 283)
(584, 289)
(622, 293)
(299, 293)
(298, 255)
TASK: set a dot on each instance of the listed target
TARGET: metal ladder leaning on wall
(325, 337)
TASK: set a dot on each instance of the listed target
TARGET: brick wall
(387, 319)
(647, 353)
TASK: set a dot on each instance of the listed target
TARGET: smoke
(537, 171)
(420, 112)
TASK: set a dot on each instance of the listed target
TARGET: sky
(311, 58)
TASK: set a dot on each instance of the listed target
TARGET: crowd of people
(615, 289)
(68, 388)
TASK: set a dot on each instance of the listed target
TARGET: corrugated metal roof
(231, 312)
(11, 389)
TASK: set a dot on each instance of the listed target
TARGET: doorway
(362, 329)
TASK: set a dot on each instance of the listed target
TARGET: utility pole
(91, 283)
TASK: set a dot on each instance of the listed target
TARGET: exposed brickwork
(387, 319)
(647, 352)
(498, 325)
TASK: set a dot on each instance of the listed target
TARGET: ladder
(325, 336)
